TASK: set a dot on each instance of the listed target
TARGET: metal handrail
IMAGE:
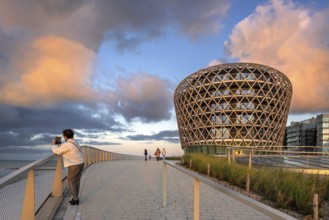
(4, 181)
(91, 155)
(313, 161)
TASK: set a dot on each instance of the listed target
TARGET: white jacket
(72, 154)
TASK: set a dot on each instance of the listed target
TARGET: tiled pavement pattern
(133, 190)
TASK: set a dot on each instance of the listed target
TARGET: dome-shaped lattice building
(237, 104)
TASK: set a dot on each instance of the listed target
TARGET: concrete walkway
(133, 190)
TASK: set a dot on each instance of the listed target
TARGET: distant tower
(237, 104)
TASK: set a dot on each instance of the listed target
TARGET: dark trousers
(73, 178)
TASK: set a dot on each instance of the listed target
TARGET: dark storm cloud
(34, 32)
(98, 19)
(27, 29)
(167, 135)
(22, 150)
(29, 127)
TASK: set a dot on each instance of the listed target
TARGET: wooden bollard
(208, 170)
(183, 160)
(315, 207)
(248, 182)
(229, 156)
(250, 160)
(190, 164)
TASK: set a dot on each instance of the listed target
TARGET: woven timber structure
(237, 104)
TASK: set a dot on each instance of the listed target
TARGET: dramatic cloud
(143, 97)
(56, 70)
(293, 40)
(47, 48)
(169, 136)
(26, 127)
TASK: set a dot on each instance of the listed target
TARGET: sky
(108, 69)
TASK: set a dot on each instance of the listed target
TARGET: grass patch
(286, 189)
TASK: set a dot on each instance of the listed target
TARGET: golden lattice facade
(238, 104)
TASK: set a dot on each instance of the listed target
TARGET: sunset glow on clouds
(55, 69)
(294, 40)
(108, 68)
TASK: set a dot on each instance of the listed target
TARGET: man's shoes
(74, 202)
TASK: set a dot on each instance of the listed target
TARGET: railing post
(91, 151)
(196, 213)
(57, 185)
(164, 185)
(28, 208)
(97, 155)
(85, 155)
(94, 155)
(89, 156)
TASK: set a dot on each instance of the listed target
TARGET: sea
(9, 166)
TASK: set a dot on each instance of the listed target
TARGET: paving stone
(133, 190)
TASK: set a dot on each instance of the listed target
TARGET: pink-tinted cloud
(293, 40)
(55, 70)
(47, 49)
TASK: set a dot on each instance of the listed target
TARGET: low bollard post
(250, 160)
(164, 185)
(208, 170)
(315, 207)
(229, 156)
(248, 182)
(248, 171)
(190, 164)
(196, 214)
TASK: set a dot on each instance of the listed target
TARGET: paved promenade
(133, 190)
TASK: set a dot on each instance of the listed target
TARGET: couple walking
(158, 152)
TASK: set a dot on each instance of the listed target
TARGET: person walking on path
(164, 153)
(145, 154)
(73, 159)
(157, 154)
